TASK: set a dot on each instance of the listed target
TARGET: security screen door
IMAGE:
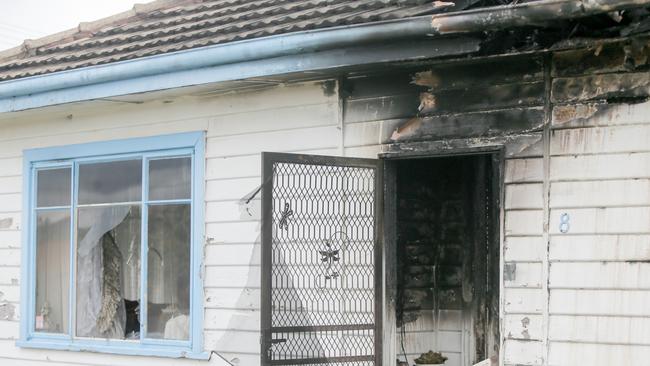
(321, 274)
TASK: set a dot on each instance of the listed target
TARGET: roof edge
(220, 54)
(306, 42)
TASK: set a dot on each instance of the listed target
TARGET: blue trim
(126, 348)
(323, 62)
(32, 248)
(144, 250)
(26, 252)
(136, 145)
(198, 240)
(72, 294)
(223, 54)
(182, 144)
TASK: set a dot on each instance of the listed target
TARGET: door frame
(385, 241)
(428, 150)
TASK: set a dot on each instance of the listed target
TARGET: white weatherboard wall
(580, 297)
(297, 118)
(524, 252)
(600, 269)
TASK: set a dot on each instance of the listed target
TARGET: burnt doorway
(447, 257)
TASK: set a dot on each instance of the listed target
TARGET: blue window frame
(53, 214)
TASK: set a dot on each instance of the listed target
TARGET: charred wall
(574, 127)
(484, 100)
(447, 258)
(474, 104)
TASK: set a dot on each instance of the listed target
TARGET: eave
(325, 51)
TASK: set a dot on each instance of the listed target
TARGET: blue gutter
(221, 54)
(327, 60)
(282, 54)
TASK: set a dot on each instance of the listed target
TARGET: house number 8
(564, 223)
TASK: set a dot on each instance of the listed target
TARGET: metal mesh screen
(322, 254)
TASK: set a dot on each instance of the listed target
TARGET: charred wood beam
(526, 14)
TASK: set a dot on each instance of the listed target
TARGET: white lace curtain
(90, 274)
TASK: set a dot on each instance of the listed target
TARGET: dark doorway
(447, 257)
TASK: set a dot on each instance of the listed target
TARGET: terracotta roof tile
(167, 26)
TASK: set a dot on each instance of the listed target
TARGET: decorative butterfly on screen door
(284, 217)
(329, 256)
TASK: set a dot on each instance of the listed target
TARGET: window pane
(170, 178)
(52, 271)
(53, 187)
(169, 272)
(108, 265)
(115, 181)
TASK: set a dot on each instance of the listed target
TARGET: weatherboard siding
(600, 177)
(299, 118)
(295, 118)
(569, 298)
(524, 253)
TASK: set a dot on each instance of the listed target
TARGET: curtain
(53, 271)
(90, 273)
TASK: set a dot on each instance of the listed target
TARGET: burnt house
(255, 182)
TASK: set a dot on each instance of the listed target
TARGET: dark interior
(447, 257)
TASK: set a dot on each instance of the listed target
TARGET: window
(113, 238)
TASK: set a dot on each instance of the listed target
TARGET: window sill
(105, 346)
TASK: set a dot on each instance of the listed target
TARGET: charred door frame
(268, 159)
(426, 150)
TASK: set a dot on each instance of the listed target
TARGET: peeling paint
(426, 78)
(568, 113)
(525, 322)
(602, 87)
(509, 271)
(524, 146)
(7, 311)
(6, 223)
(427, 103)
(409, 128)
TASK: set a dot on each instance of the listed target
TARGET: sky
(23, 19)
